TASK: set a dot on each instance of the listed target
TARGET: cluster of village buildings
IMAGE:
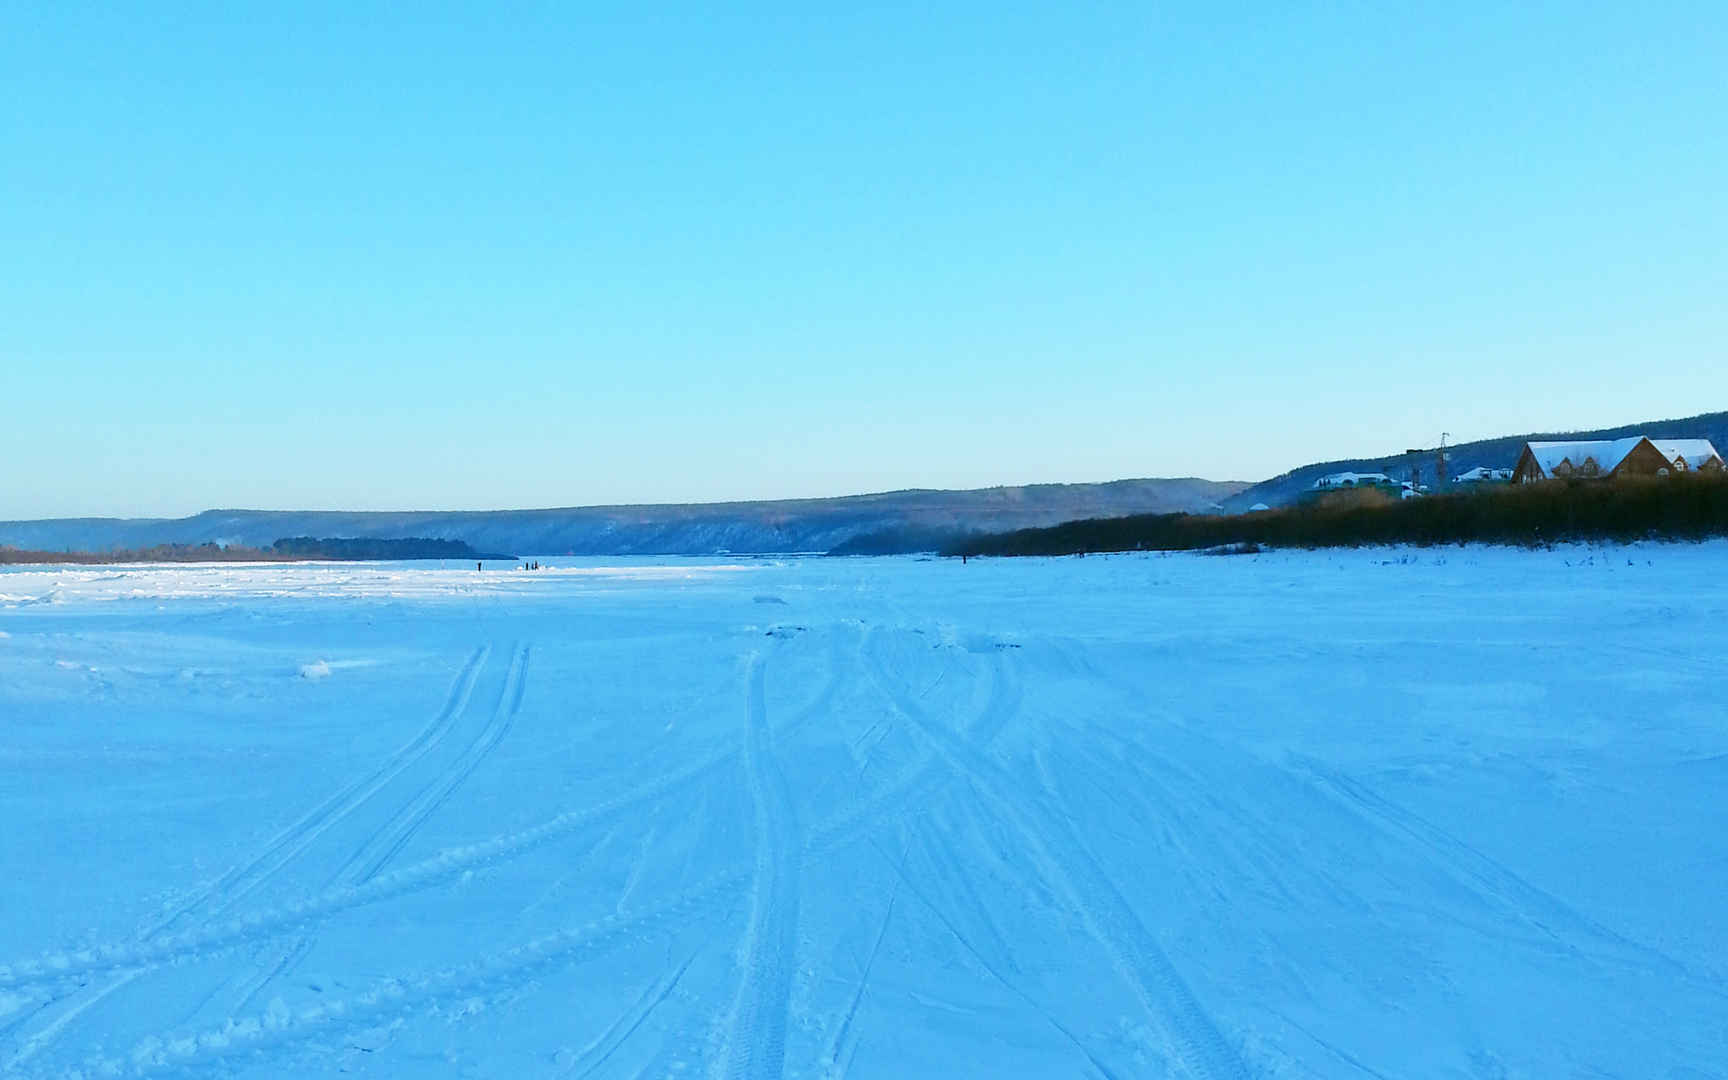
(1639, 455)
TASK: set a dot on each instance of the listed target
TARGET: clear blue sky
(424, 256)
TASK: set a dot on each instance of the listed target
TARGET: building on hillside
(1637, 455)
(1340, 481)
(1482, 474)
(1564, 460)
(1355, 481)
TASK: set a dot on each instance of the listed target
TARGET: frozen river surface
(1454, 813)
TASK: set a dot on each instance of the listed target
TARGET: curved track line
(1548, 915)
(400, 997)
(842, 1048)
(45, 1036)
(756, 1037)
(1556, 920)
(1095, 900)
(60, 967)
(289, 960)
(241, 880)
(951, 867)
(403, 997)
(113, 956)
(1013, 987)
(245, 877)
(395, 833)
(607, 1044)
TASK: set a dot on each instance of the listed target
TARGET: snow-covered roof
(1695, 451)
(1352, 479)
(1481, 472)
(1609, 453)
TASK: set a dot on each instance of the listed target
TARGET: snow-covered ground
(1448, 813)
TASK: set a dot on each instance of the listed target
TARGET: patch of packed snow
(1413, 812)
(55, 584)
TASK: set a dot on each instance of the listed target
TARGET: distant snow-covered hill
(694, 529)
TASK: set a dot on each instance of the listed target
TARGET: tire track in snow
(1497, 885)
(62, 967)
(287, 961)
(367, 860)
(1551, 916)
(287, 918)
(501, 972)
(730, 753)
(1201, 1049)
(242, 879)
(1012, 987)
(44, 1036)
(756, 1035)
(239, 882)
(940, 847)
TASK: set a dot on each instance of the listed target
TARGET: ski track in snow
(384, 843)
(841, 1050)
(1006, 980)
(1548, 916)
(61, 967)
(991, 833)
(596, 1053)
(243, 1038)
(389, 841)
(756, 1039)
(241, 880)
(1064, 862)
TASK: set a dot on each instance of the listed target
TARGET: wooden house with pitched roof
(1639, 455)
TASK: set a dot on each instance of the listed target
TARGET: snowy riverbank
(1433, 812)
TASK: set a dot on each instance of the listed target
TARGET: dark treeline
(1675, 508)
(906, 540)
(354, 549)
(160, 553)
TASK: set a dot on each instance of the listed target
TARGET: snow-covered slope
(1348, 814)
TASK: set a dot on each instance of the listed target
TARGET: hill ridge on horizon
(700, 504)
(759, 526)
(903, 519)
